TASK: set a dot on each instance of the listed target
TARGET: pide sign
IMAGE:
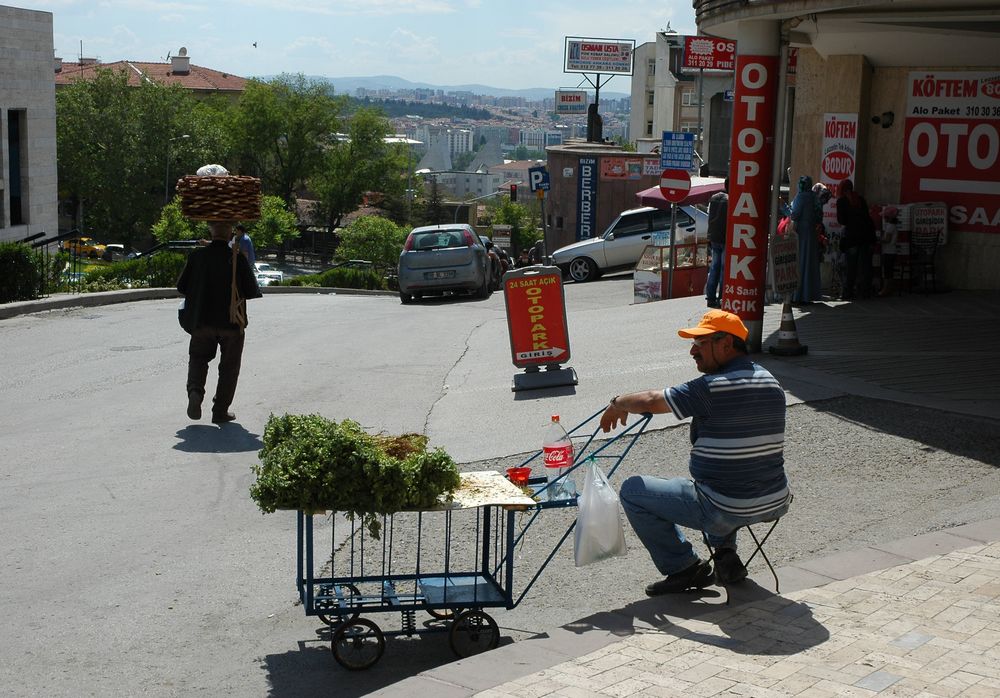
(709, 53)
(750, 185)
(951, 146)
(536, 316)
(599, 55)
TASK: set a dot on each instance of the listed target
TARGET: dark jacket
(206, 283)
(718, 210)
(859, 229)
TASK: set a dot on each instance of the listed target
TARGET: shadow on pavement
(756, 622)
(312, 669)
(225, 438)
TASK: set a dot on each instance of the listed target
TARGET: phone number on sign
(982, 111)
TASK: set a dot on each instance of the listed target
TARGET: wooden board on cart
(486, 488)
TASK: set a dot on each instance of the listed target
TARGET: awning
(702, 189)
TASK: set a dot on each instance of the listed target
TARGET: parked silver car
(439, 258)
(621, 245)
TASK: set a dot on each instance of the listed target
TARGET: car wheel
(405, 298)
(582, 269)
(485, 290)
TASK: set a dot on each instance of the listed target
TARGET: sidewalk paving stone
(921, 628)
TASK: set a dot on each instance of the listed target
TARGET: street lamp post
(166, 177)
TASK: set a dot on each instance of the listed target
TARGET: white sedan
(267, 275)
(620, 246)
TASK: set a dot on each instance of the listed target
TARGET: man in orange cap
(737, 411)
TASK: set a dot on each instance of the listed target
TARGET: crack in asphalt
(445, 381)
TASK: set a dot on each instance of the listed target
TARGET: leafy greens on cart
(312, 463)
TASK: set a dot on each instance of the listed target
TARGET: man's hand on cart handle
(644, 402)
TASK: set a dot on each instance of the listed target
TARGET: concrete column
(750, 173)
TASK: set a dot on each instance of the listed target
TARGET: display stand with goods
(419, 535)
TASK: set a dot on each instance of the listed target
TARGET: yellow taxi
(83, 247)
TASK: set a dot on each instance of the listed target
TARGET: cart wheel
(473, 632)
(335, 621)
(358, 644)
(444, 614)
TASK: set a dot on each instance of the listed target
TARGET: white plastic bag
(599, 533)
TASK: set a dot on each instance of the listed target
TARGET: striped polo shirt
(737, 436)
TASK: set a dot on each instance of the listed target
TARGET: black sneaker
(697, 576)
(728, 567)
(222, 417)
(194, 405)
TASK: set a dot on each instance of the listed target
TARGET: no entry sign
(675, 185)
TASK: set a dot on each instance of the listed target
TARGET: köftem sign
(951, 150)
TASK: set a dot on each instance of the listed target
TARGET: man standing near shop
(215, 283)
(718, 212)
(736, 461)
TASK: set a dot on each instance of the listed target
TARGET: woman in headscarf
(859, 236)
(804, 214)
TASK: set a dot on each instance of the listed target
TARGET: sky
(514, 44)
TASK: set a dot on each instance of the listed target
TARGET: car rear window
(438, 239)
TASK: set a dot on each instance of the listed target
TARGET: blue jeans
(712, 290)
(656, 508)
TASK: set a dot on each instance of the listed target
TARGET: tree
(173, 225)
(361, 163)
(432, 210)
(276, 224)
(524, 230)
(114, 142)
(281, 130)
(374, 238)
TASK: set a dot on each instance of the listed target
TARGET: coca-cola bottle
(557, 451)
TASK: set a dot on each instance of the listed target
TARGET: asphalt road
(135, 561)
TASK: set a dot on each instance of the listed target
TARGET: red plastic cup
(519, 476)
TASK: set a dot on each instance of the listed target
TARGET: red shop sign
(750, 186)
(536, 316)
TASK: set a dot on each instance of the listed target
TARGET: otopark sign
(750, 186)
(536, 322)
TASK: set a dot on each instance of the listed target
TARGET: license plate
(450, 274)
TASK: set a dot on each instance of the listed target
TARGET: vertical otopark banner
(586, 199)
(839, 159)
(951, 150)
(750, 167)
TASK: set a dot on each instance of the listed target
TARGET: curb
(90, 300)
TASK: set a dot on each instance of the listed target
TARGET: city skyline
(444, 42)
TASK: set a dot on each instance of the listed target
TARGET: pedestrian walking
(216, 283)
(718, 213)
(856, 244)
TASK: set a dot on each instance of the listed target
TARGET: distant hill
(348, 86)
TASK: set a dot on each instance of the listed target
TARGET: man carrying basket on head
(216, 283)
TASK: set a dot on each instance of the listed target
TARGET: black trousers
(201, 350)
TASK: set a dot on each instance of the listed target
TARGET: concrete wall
(850, 84)
(27, 83)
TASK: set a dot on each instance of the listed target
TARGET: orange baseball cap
(717, 321)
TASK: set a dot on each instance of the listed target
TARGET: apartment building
(28, 183)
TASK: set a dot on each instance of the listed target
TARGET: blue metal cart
(452, 561)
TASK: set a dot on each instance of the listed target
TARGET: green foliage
(343, 277)
(395, 108)
(372, 238)
(20, 272)
(281, 130)
(159, 270)
(115, 143)
(311, 463)
(524, 231)
(173, 225)
(362, 163)
(276, 225)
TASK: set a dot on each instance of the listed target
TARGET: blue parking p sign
(538, 178)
